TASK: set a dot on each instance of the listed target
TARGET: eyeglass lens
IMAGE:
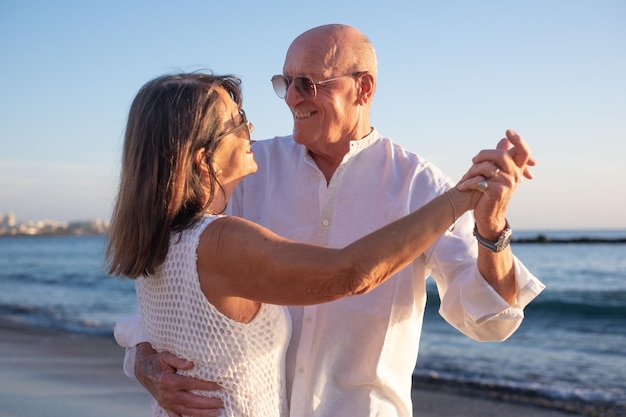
(304, 85)
(244, 122)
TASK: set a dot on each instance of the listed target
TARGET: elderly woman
(210, 287)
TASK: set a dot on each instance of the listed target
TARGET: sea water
(571, 346)
(572, 343)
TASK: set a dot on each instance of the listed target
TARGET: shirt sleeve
(468, 302)
(128, 333)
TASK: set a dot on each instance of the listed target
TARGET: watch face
(505, 239)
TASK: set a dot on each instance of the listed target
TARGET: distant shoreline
(543, 239)
(54, 234)
(538, 239)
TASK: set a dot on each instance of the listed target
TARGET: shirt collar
(356, 145)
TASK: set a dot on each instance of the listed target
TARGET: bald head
(330, 50)
(338, 112)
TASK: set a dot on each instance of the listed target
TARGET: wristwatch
(499, 245)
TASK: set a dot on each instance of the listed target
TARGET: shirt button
(309, 319)
(325, 222)
(301, 370)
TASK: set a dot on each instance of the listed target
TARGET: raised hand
(497, 172)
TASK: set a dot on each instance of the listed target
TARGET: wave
(52, 318)
(588, 309)
(598, 304)
(588, 403)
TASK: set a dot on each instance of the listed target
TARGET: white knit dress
(247, 360)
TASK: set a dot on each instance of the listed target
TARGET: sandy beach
(50, 374)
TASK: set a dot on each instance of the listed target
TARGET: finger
(504, 144)
(209, 407)
(176, 362)
(486, 168)
(192, 412)
(471, 184)
(515, 138)
(190, 404)
(200, 385)
(499, 158)
(198, 402)
(527, 172)
(181, 384)
(520, 152)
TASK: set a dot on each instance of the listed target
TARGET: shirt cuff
(128, 333)
(129, 362)
(482, 304)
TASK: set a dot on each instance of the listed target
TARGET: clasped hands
(497, 173)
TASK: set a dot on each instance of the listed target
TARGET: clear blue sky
(453, 76)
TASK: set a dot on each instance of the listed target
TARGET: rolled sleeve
(128, 333)
(486, 316)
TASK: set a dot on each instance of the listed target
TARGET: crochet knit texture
(247, 360)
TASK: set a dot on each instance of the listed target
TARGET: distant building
(92, 227)
(10, 227)
(7, 221)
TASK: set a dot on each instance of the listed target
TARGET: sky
(453, 76)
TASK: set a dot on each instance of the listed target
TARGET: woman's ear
(201, 160)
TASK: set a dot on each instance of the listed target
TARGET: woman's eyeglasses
(243, 123)
(305, 86)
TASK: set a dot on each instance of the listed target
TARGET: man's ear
(367, 85)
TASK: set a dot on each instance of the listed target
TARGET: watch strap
(499, 245)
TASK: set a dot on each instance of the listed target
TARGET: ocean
(569, 353)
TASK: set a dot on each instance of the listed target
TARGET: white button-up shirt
(355, 356)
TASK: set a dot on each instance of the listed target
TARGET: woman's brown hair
(170, 119)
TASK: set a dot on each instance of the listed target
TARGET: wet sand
(49, 374)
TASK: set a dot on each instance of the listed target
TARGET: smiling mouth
(303, 114)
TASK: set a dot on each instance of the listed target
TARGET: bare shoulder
(225, 229)
(219, 264)
(228, 240)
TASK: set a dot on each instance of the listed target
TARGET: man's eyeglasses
(305, 86)
(243, 123)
